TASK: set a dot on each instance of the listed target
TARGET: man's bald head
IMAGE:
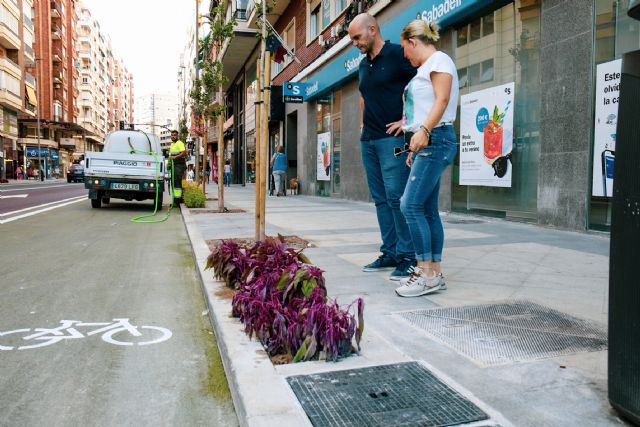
(364, 32)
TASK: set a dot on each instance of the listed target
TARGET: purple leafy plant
(282, 300)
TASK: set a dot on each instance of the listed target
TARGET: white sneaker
(419, 284)
(443, 285)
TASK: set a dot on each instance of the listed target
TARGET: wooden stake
(220, 156)
(258, 135)
(264, 147)
(204, 159)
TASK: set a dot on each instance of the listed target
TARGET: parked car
(75, 173)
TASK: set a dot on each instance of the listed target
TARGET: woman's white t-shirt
(227, 168)
(419, 96)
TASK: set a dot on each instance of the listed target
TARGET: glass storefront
(499, 48)
(615, 35)
(329, 121)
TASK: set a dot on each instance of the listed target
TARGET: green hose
(140, 219)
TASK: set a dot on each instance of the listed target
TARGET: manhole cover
(404, 394)
(509, 332)
(463, 221)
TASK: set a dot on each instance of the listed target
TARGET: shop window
(462, 78)
(473, 73)
(475, 30)
(487, 71)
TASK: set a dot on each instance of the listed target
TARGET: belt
(443, 124)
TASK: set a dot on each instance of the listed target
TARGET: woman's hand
(409, 157)
(394, 128)
(419, 140)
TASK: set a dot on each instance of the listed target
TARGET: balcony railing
(28, 50)
(55, 9)
(30, 79)
(28, 22)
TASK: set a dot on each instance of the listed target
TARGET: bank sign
(344, 66)
(294, 92)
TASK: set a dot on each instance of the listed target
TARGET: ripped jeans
(419, 203)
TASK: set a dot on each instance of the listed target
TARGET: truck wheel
(96, 203)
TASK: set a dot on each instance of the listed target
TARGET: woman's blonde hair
(426, 32)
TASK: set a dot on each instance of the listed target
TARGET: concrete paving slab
(493, 260)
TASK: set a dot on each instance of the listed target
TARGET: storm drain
(518, 331)
(404, 394)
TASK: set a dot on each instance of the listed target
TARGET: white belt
(443, 124)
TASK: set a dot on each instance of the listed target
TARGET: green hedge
(193, 197)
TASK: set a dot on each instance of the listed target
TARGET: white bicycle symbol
(67, 330)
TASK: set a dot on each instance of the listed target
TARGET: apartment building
(106, 87)
(17, 84)
(553, 54)
(155, 110)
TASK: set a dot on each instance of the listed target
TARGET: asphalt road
(21, 196)
(89, 265)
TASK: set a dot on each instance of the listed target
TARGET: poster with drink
(324, 156)
(486, 136)
(608, 77)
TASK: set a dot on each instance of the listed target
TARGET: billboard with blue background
(345, 65)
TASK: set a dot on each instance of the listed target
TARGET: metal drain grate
(404, 394)
(509, 332)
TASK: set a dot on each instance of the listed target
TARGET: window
(487, 71)
(340, 5)
(289, 38)
(462, 78)
(475, 30)
(487, 25)
(314, 22)
(463, 35)
(473, 73)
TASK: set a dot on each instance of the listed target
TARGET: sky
(149, 36)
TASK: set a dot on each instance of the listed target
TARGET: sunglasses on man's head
(397, 151)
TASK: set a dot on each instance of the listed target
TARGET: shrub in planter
(193, 196)
(282, 300)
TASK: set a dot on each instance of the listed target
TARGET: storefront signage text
(437, 12)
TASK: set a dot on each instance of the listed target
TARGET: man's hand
(409, 157)
(394, 128)
(419, 140)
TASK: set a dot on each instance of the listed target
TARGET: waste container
(624, 276)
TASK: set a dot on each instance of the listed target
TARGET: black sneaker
(403, 269)
(383, 263)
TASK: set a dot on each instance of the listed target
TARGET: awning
(31, 96)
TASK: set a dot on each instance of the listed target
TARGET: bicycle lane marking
(69, 330)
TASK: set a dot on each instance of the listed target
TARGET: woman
(279, 167)
(430, 101)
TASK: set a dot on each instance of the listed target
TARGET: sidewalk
(486, 261)
(34, 181)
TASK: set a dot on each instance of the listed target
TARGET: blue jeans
(419, 203)
(227, 179)
(387, 176)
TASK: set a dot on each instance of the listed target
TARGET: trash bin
(624, 285)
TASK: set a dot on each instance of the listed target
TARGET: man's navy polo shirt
(382, 82)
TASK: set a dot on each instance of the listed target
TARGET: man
(384, 72)
(177, 156)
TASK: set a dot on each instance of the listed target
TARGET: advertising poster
(606, 118)
(324, 156)
(486, 136)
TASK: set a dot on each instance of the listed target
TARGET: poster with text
(324, 156)
(486, 136)
(606, 118)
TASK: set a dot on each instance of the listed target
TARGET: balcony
(237, 48)
(10, 91)
(86, 55)
(56, 57)
(30, 80)
(28, 52)
(11, 67)
(55, 9)
(28, 22)
(8, 36)
(277, 11)
(56, 33)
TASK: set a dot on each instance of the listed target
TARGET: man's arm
(361, 113)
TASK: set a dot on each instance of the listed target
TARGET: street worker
(430, 102)
(178, 162)
(384, 72)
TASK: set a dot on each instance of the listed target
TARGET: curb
(260, 395)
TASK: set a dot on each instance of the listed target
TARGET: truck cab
(131, 167)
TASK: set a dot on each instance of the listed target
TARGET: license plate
(119, 186)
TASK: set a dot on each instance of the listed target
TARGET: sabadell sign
(345, 65)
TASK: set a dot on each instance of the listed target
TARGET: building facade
(551, 56)
(17, 83)
(155, 110)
